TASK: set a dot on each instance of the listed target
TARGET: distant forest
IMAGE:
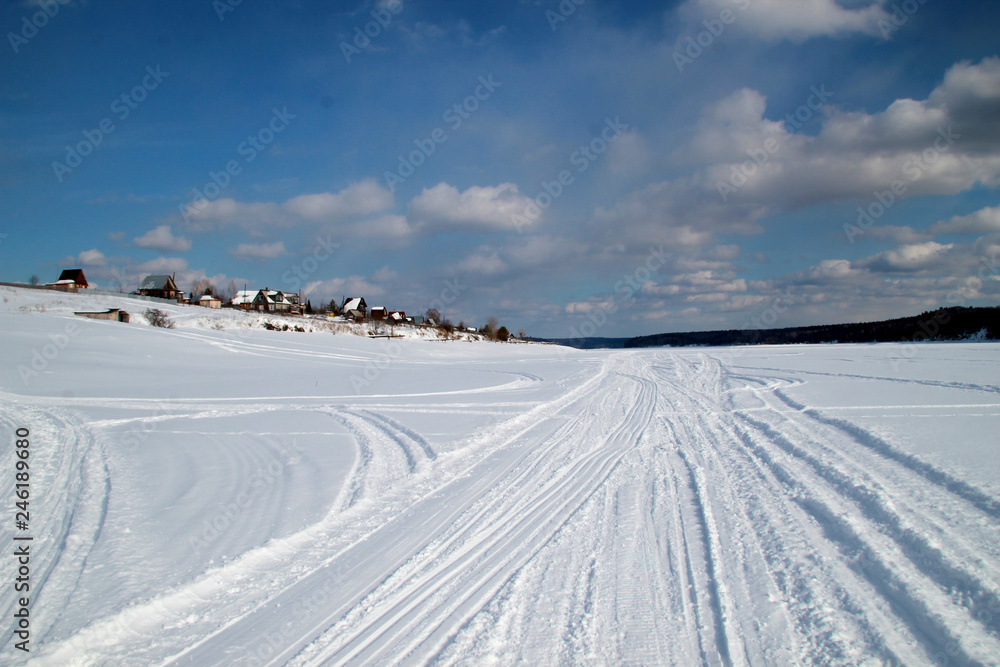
(943, 324)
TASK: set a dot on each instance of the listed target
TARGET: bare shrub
(158, 318)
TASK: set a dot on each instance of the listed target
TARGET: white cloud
(92, 257)
(161, 238)
(795, 20)
(490, 208)
(162, 265)
(483, 262)
(908, 258)
(361, 198)
(259, 250)
(946, 144)
(337, 287)
(983, 221)
(204, 215)
(629, 154)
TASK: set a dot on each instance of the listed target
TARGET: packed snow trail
(649, 507)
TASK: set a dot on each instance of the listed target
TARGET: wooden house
(355, 303)
(162, 287)
(70, 280)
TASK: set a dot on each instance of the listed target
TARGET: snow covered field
(214, 495)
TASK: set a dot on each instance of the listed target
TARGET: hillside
(942, 324)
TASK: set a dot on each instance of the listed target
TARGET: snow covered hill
(233, 496)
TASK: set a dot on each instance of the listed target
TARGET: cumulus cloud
(91, 257)
(204, 215)
(524, 255)
(161, 238)
(361, 198)
(908, 258)
(748, 167)
(775, 20)
(484, 209)
(259, 250)
(162, 265)
(984, 221)
(337, 287)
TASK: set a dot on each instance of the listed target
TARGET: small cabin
(70, 280)
(209, 301)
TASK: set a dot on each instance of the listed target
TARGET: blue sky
(599, 168)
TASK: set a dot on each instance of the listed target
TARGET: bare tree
(231, 291)
(433, 314)
(158, 318)
(35, 280)
(201, 288)
(522, 334)
(490, 328)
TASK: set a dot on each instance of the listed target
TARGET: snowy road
(484, 504)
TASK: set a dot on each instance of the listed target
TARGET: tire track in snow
(756, 533)
(932, 593)
(482, 567)
(981, 499)
(70, 488)
(216, 618)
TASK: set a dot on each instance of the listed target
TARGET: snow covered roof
(352, 304)
(244, 296)
(208, 297)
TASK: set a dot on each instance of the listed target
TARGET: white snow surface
(220, 495)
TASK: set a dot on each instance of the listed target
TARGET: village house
(70, 280)
(355, 303)
(274, 301)
(209, 301)
(244, 299)
(378, 313)
(161, 287)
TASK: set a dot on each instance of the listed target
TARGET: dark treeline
(942, 324)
